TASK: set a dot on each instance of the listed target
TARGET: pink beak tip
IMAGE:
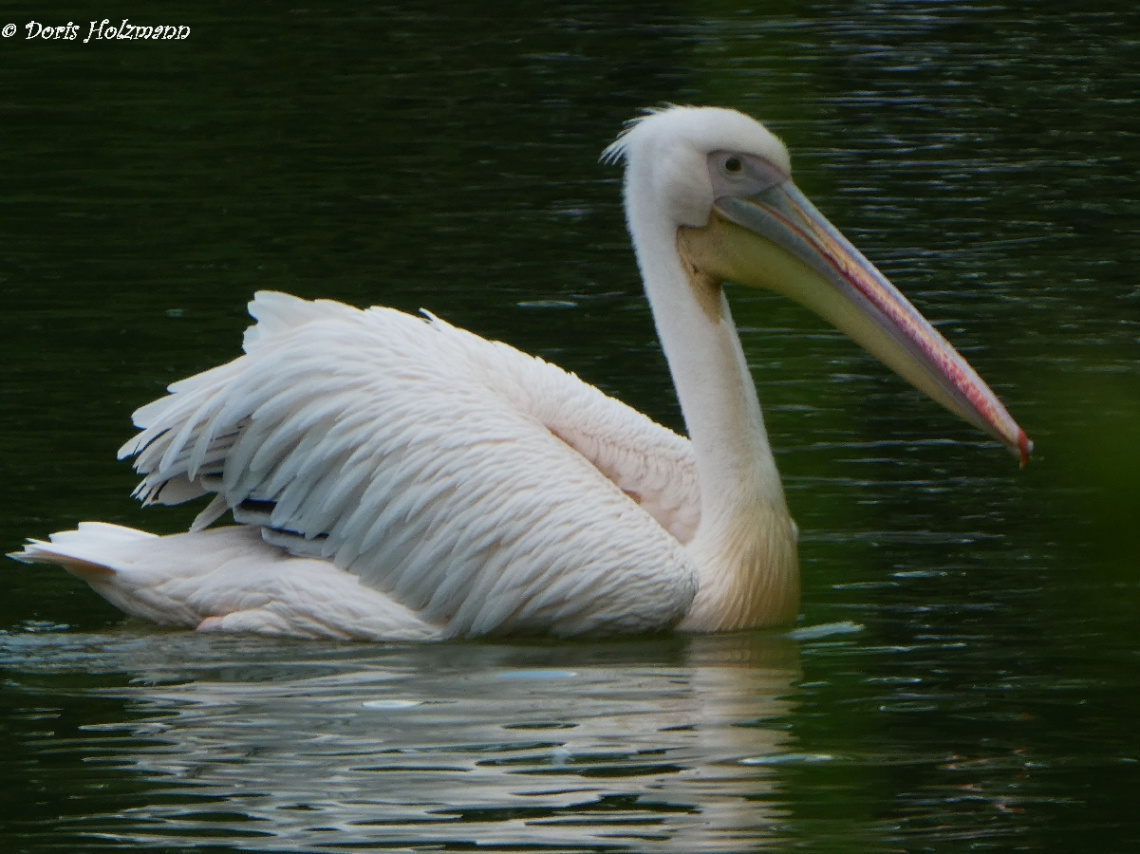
(1025, 445)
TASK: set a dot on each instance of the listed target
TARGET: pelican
(393, 477)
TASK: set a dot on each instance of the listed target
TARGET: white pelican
(398, 478)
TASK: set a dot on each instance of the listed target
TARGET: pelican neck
(714, 386)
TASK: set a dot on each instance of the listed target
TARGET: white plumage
(397, 478)
(421, 459)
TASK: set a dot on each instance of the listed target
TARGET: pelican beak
(777, 240)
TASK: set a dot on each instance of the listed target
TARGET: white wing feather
(226, 579)
(486, 490)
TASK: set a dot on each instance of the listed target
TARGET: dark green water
(985, 156)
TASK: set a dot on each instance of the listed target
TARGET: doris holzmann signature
(98, 30)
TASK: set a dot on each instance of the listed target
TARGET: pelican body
(393, 477)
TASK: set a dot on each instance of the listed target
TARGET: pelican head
(717, 185)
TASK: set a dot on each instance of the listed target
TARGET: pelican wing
(649, 463)
(484, 489)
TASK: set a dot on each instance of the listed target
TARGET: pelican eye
(734, 174)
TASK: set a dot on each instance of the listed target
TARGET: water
(985, 156)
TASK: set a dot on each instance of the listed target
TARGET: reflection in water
(618, 746)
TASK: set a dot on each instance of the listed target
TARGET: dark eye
(733, 165)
